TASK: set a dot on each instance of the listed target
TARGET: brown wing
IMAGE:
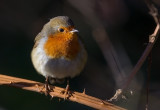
(37, 39)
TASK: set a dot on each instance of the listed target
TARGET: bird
(58, 52)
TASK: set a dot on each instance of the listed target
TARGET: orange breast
(62, 45)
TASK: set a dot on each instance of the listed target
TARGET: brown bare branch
(81, 98)
(152, 40)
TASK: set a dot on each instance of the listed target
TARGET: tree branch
(81, 98)
(152, 40)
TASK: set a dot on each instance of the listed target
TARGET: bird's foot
(66, 92)
(41, 88)
(47, 87)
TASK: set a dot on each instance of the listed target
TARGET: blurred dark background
(126, 23)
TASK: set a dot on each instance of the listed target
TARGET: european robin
(58, 52)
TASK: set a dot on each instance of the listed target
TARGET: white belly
(57, 68)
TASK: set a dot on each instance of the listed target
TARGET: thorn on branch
(11, 82)
(52, 96)
(102, 102)
(84, 91)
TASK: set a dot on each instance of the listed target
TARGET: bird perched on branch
(58, 52)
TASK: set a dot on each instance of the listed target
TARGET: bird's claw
(66, 92)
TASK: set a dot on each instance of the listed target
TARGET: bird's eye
(61, 30)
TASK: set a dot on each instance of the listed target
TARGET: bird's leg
(47, 87)
(66, 91)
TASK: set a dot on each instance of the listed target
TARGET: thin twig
(81, 98)
(152, 40)
(148, 79)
